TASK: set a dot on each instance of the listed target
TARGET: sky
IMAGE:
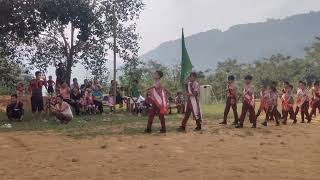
(162, 20)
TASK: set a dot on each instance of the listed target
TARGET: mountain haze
(246, 42)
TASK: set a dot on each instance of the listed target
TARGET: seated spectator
(65, 92)
(75, 84)
(75, 100)
(97, 96)
(91, 108)
(83, 87)
(15, 109)
(62, 111)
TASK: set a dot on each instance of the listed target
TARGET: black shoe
(162, 131)
(294, 121)
(265, 123)
(277, 124)
(309, 121)
(254, 126)
(181, 129)
(223, 123)
(235, 123)
(147, 131)
(198, 128)
(302, 122)
(239, 126)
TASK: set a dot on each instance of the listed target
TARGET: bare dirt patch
(286, 152)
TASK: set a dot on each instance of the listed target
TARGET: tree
(70, 31)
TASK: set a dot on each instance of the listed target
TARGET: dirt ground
(285, 152)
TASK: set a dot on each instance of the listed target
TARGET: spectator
(51, 83)
(75, 100)
(62, 111)
(65, 92)
(91, 108)
(20, 90)
(75, 84)
(119, 97)
(97, 95)
(61, 74)
(35, 89)
(135, 93)
(83, 87)
(15, 109)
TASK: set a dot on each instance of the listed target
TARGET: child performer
(231, 100)
(315, 101)
(264, 99)
(193, 106)
(50, 83)
(248, 103)
(302, 102)
(287, 105)
(158, 99)
(273, 105)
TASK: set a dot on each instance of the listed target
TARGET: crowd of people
(63, 100)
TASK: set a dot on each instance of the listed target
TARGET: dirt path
(286, 152)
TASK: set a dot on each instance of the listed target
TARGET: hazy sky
(162, 19)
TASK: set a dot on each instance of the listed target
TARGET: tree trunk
(114, 58)
(70, 58)
(69, 69)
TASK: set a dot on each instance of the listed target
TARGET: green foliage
(144, 73)
(48, 32)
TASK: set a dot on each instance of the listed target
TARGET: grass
(121, 123)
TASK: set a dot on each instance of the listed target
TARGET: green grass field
(121, 122)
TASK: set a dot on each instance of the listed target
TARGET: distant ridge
(245, 42)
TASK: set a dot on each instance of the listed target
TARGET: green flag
(186, 66)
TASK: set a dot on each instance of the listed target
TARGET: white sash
(196, 110)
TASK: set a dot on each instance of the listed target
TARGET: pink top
(302, 96)
(248, 95)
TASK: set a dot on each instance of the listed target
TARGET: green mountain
(245, 42)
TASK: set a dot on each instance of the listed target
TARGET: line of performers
(269, 102)
(157, 97)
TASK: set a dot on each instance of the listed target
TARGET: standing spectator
(35, 89)
(75, 84)
(15, 109)
(51, 83)
(135, 92)
(61, 74)
(97, 95)
(62, 111)
(119, 97)
(75, 100)
(65, 92)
